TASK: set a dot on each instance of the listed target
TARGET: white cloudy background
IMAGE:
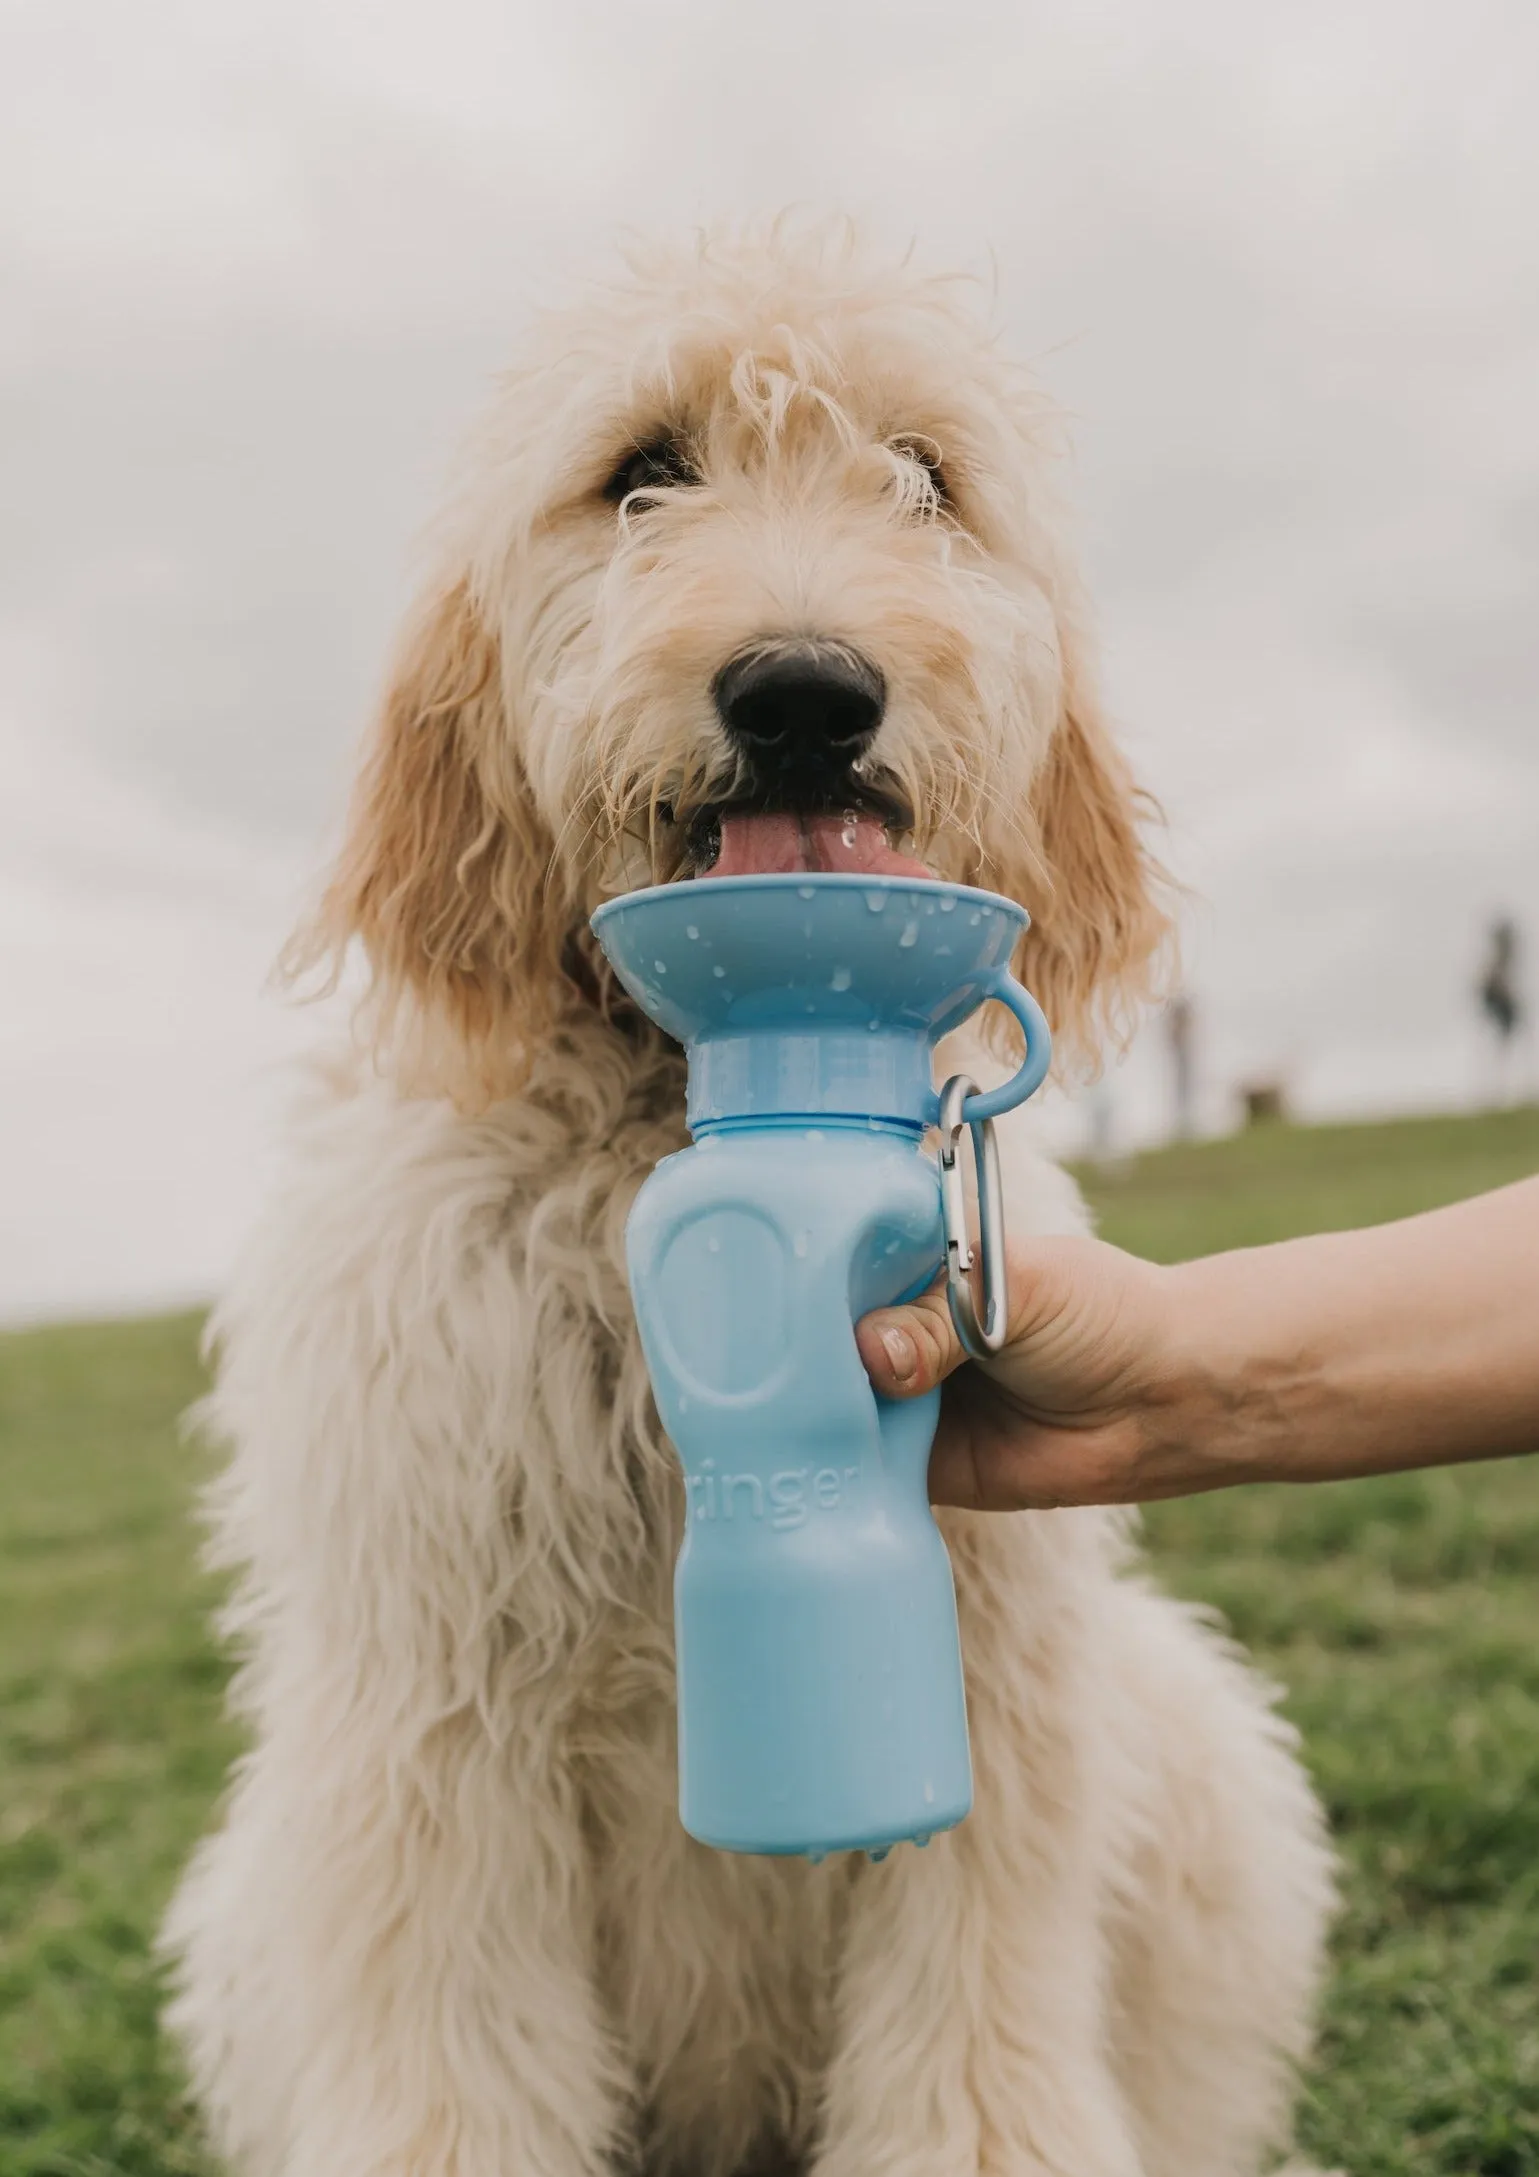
(259, 259)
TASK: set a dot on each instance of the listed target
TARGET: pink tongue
(778, 845)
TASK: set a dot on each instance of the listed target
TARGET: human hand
(1086, 1402)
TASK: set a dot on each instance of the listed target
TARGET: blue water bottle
(819, 1670)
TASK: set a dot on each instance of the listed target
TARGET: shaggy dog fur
(450, 1926)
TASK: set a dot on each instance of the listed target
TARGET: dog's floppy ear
(1098, 898)
(447, 872)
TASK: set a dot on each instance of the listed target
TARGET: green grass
(1403, 1615)
(111, 1743)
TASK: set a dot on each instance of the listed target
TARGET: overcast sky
(258, 261)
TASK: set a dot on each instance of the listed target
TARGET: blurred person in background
(1501, 1002)
(1180, 1038)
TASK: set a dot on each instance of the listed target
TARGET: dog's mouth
(862, 836)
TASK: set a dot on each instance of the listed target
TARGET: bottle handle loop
(990, 1103)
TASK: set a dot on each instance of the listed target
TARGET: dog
(449, 1925)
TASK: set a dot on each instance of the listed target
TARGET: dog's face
(761, 531)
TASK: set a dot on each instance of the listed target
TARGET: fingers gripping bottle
(819, 1671)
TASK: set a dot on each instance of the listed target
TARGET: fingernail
(901, 1356)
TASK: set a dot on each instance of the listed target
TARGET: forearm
(1405, 1345)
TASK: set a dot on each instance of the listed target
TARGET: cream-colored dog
(764, 529)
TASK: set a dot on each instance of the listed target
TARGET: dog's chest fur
(454, 1517)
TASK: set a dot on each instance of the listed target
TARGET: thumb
(910, 1349)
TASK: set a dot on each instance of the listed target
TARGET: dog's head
(762, 531)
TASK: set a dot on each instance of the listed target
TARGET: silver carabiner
(978, 1339)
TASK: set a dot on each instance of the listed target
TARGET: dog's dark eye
(927, 454)
(662, 464)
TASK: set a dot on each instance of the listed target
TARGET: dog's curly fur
(450, 1926)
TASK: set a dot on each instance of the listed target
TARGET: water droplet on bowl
(714, 1244)
(948, 904)
(929, 1795)
(873, 1025)
(840, 979)
(806, 891)
(876, 901)
(974, 920)
(690, 930)
(661, 966)
(718, 970)
(910, 934)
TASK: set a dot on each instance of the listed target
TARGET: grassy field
(1402, 1615)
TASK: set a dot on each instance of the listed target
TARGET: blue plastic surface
(821, 1702)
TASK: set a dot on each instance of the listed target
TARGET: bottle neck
(811, 1076)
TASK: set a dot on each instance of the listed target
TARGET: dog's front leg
(387, 1966)
(960, 2056)
(972, 2030)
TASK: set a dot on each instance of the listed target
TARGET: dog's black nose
(801, 710)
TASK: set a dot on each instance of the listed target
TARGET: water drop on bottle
(910, 934)
(840, 979)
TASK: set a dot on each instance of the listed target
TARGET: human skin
(1403, 1345)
